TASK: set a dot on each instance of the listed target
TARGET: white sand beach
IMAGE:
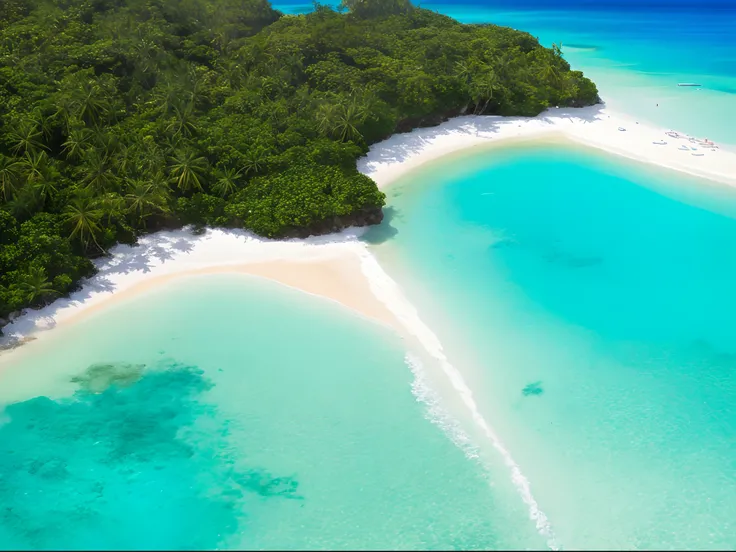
(330, 267)
(591, 126)
(340, 267)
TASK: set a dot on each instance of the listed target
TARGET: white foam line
(424, 393)
(390, 294)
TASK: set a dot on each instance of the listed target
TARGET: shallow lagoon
(589, 302)
(224, 411)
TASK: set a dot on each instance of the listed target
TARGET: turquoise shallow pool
(229, 412)
(589, 302)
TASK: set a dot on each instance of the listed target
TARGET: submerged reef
(534, 388)
(123, 464)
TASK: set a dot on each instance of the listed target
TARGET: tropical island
(122, 117)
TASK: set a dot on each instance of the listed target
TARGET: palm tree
(369, 101)
(83, 215)
(482, 88)
(35, 285)
(551, 73)
(65, 111)
(255, 159)
(34, 166)
(96, 171)
(39, 177)
(161, 188)
(124, 160)
(46, 125)
(227, 182)
(90, 102)
(341, 120)
(166, 97)
(27, 137)
(77, 141)
(10, 170)
(348, 117)
(557, 50)
(143, 200)
(107, 142)
(146, 157)
(183, 122)
(187, 170)
(326, 117)
(111, 205)
(463, 71)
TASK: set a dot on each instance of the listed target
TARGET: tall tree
(227, 181)
(35, 285)
(187, 170)
(83, 215)
(27, 137)
(10, 171)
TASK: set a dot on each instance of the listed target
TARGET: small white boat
(660, 143)
(688, 84)
(621, 129)
(698, 154)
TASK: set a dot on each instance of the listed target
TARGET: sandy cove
(340, 267)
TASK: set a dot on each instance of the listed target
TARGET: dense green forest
(119, 117)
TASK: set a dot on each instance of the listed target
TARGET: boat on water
(688, 84)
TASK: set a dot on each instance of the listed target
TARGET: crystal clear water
(589, 302)
(586, 299)
(636, 52)
(229, 412)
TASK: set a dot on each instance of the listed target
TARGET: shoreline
(595, 127)
(341, 258)
(331, 279)
(341, 268)
(329, 267)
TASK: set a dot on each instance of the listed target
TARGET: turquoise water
(636, 52)
(589, 302)
(230, 412)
